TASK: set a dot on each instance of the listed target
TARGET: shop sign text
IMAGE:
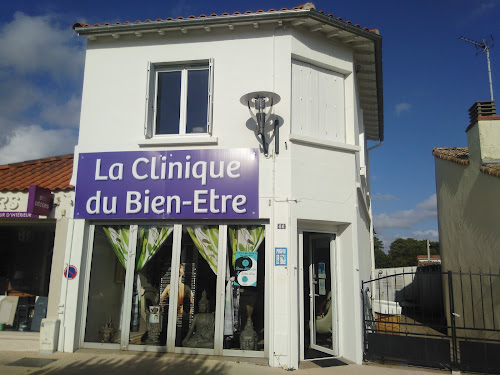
(17, 215)
(168, 184)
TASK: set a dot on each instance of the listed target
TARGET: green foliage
(402, 252)
(381, 259)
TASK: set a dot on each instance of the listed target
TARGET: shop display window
(244, 296)
(197, 287)
(107, 284)
(26, 253)
(132, 286)
(152, 266)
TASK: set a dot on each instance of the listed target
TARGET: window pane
(168, 103)
(197, 101)
(148, 320)
(244, 297)
(197, 287)
(107, 284)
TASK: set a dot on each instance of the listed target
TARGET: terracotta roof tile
(491, 169)
(306, 6)
(426, 257)
(53, 173)
(460, 155)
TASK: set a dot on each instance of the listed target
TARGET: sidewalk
(86, 361)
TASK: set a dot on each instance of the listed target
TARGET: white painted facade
(315, 184)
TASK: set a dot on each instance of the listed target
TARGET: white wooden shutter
(150, 101)
(210, 94)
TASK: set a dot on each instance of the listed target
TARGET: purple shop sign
(39, 200)
(181, 184)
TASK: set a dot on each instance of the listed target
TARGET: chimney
(481, 109)
(483, 133)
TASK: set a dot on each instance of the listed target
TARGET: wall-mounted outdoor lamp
(257, 103)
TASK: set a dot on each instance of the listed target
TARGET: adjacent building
(36, 203)
(467, 184)
(468, 187)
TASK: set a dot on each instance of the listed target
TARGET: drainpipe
(377, 145)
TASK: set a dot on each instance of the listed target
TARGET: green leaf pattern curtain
(206, 240)
(245, 238)
(118, 238)
(150, 240)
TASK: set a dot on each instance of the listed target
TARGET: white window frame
(153, 69)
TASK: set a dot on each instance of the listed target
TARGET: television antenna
(484, 46)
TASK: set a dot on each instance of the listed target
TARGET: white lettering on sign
(204, 201)
(17, 215)
(42, 205)
(157, 168)
(9, 203)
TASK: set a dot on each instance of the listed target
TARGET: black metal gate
(432, 318)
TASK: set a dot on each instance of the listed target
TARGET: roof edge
(436, 152)
(86, 29)
(36, 161)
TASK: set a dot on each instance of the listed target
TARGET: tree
(403, 251)
(381, 258)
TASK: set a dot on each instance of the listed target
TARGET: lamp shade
(270, 98)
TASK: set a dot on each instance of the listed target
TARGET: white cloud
(182, 9)
(408, 218)
(40, 70)
(402, 107)
(384, 197)
(483, 8)
(36, 45)
(34, 142)
(16, 96)
(66, 114)
(431, 234)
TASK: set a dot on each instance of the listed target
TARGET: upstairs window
(179, 100)
(317, 102)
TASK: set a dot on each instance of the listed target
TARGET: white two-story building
(222, 186)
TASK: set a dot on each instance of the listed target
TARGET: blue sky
(431, 78)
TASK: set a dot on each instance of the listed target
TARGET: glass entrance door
(320, 308)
